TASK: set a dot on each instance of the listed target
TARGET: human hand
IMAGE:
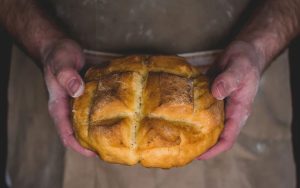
(61, 61)
(240, 66)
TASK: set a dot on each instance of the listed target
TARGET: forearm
(29, 25)
(274, 24)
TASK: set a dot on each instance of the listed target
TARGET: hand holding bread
(156, 110)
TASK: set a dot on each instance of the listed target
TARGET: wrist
(267, 45)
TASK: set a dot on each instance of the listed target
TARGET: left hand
(61, 65)
(240, 67)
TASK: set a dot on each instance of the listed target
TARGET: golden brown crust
(167, 144)
(154, 110)
(81, 111)
(172, 64)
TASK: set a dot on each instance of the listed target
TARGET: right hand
(241, 68)
(62, 61)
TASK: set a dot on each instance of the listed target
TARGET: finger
(237, 113)
(68, 139)
(226, 83)
(71, 81)
(59, 111)
(225, 142)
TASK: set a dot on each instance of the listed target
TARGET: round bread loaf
(156, 110)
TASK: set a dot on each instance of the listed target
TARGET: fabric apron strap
(202, 58)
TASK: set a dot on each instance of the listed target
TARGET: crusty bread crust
(156, 110)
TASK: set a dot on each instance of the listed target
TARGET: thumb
(71, 81)
(225, 83)
(64, 61)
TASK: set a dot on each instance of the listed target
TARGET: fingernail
(220, 89)
(75, 87)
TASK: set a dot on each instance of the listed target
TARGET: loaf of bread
(156, 110)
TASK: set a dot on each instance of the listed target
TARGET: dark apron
(261, 158)
(156, 26)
